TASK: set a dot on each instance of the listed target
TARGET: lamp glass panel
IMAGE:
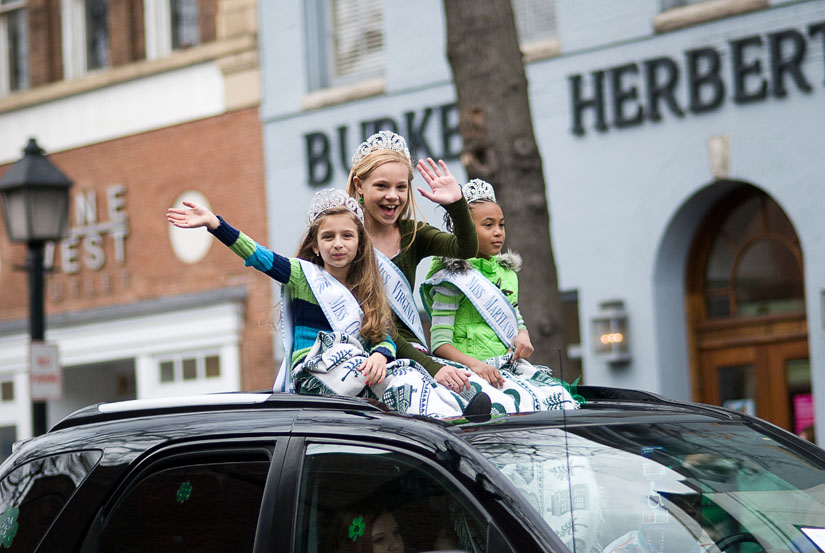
(14, 213)
(49, 206)
(619, 328)
(601, 331)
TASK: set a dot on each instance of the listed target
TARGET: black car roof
(139, 425)
(212, 402)
(594, 398)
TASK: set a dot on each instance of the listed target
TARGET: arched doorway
(746, 311)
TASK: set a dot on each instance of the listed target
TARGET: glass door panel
(737, 388)
(800, 400)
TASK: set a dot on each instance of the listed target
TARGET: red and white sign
(45, 373)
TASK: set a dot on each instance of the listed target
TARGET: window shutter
(357, 39)
(535, 19)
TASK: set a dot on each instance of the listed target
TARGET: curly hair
(363, 278)
(448, 221)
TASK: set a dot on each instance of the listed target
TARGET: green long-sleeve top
(429, 241)
(456, 320)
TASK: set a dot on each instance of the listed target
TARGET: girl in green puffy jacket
(475, 317)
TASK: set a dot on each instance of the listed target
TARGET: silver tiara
(382, 140)
(330, 198)
(478, 189)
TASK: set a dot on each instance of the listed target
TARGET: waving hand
(444, 189)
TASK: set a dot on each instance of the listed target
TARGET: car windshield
(665, 488)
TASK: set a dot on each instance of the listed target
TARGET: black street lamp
(35, 199)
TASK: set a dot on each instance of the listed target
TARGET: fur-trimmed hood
(510, 260)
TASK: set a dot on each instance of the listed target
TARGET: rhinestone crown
(382, 140)
(330, 198)
(477, 189)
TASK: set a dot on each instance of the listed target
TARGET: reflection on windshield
(664, 488)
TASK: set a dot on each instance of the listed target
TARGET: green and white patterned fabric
(331, 368)
(565, 493)
(527, 387)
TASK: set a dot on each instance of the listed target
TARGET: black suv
(629, 472)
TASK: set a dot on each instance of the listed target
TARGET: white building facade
(682, 152)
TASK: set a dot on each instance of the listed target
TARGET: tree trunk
(499, 147)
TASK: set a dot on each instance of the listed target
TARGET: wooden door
(746, 310)
(762, 379)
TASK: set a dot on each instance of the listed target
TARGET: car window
(371, 500)
(686, 486)
(198, 507)
(32, 495)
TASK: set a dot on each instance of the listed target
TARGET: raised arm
(193, 215)
(445, 191)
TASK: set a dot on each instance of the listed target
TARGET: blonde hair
(363, 277)
(372, 161)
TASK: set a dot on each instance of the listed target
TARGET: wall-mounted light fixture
(610, 338)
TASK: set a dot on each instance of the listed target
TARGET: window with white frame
(85, 26)
(345, 41)
(184, 368)
(171, 25)
(7, 390)
(14, 47)
(535, 19)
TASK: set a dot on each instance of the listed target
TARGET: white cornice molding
(115, 75)
(342, 94)
(541, 49)
(685, 16)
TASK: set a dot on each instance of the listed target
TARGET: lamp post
(35, 201)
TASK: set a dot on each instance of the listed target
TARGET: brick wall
(220, 157)
(45, 52)
(126, 31)
(126, 35)
(208, 13)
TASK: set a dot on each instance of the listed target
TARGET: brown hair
(351, 530)
(363, 278)
(372, 161)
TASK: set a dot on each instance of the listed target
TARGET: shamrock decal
(184, 492)
(8, 526)
(356, 529)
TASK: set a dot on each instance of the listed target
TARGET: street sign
(46, 375)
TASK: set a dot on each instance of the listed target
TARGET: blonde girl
(381, 180)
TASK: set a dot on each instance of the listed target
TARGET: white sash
(283, 382)
(485, 296)
(336, 301)
(338, 304)
(399, 293)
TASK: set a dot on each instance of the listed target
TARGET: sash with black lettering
(339, 306)
(485, 296)
(400, 296)
(336, 301)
